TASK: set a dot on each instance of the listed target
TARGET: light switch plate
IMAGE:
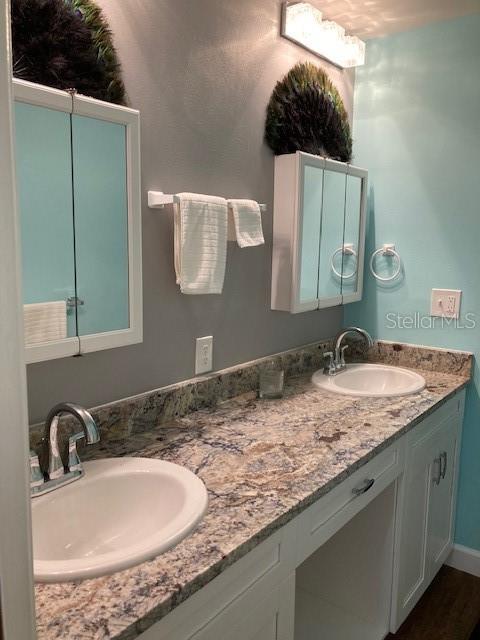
(446, 303)
(203, 355)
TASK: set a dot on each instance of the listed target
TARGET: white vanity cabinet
(328, 572)
(318, 233)
(254, 599)
(256, 616)
(426, 505)
(78, 185)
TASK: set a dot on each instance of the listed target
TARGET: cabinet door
(414, 518)
(101, 224)
(425, 516)
(331, 241)
(78, 168)
(318, 233)
(352, 239)
(44, 186)
(311, 216)
(441, 511)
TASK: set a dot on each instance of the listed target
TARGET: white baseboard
(465, 559)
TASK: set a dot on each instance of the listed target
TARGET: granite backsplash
(131, 416)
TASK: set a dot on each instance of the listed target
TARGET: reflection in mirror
(44, 177)
(330, 285)
(353, 196)
(310, 242)
(101, 224)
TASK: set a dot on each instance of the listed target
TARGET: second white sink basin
(375, 380)
(122, 512)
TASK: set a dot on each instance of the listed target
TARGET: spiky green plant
(103, 41)
(306, 113)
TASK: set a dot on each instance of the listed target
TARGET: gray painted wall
(201, 73)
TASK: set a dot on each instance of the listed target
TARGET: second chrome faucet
(336, 360)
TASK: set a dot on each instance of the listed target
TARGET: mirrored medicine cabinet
(78, 184)
(318, 233)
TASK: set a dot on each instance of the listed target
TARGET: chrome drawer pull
(443, 467)
(364, 487)
(438, 463)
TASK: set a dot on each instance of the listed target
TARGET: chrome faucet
(336, 361)
(57, 474)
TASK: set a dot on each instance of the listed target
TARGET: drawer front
(238, 589)
(324, 518)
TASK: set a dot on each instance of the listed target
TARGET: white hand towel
(201, 224)
(248, 222)
(45, 322)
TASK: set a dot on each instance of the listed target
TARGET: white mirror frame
(357, 172)
(42, 96)
(336, 167)
(304, 160)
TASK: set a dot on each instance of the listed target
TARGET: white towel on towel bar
(45, 322)
(201, 225)
(247, 219)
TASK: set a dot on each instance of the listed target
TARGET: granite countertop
(263, 462)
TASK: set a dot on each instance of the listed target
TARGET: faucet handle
(74, 463)
(329, 368)
(36, 475)
(342, 356)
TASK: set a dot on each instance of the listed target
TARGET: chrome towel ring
(386, 250)
(346, 250)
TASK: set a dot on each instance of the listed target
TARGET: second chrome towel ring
(386, 250)
(346, 250)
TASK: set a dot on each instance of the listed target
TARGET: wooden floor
(449, 610)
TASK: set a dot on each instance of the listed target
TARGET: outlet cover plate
(203, 355)
(446, 303)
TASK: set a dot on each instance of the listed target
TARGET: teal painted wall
(417, 130)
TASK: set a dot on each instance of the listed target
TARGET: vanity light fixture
(302, 23)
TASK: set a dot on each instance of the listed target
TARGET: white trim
(93, 108)
(464, 559)
(135, 230)
(109, 340)
(333, 301)
(41, 96)
(301, 161)
(357, 172)
(52, 350)
(16, 593)
(335, 165)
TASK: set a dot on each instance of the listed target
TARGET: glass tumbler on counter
(271, 382)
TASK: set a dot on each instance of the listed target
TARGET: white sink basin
(122, 512)
(374, 380)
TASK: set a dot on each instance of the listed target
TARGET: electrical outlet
(203, 355)
(446, 303)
